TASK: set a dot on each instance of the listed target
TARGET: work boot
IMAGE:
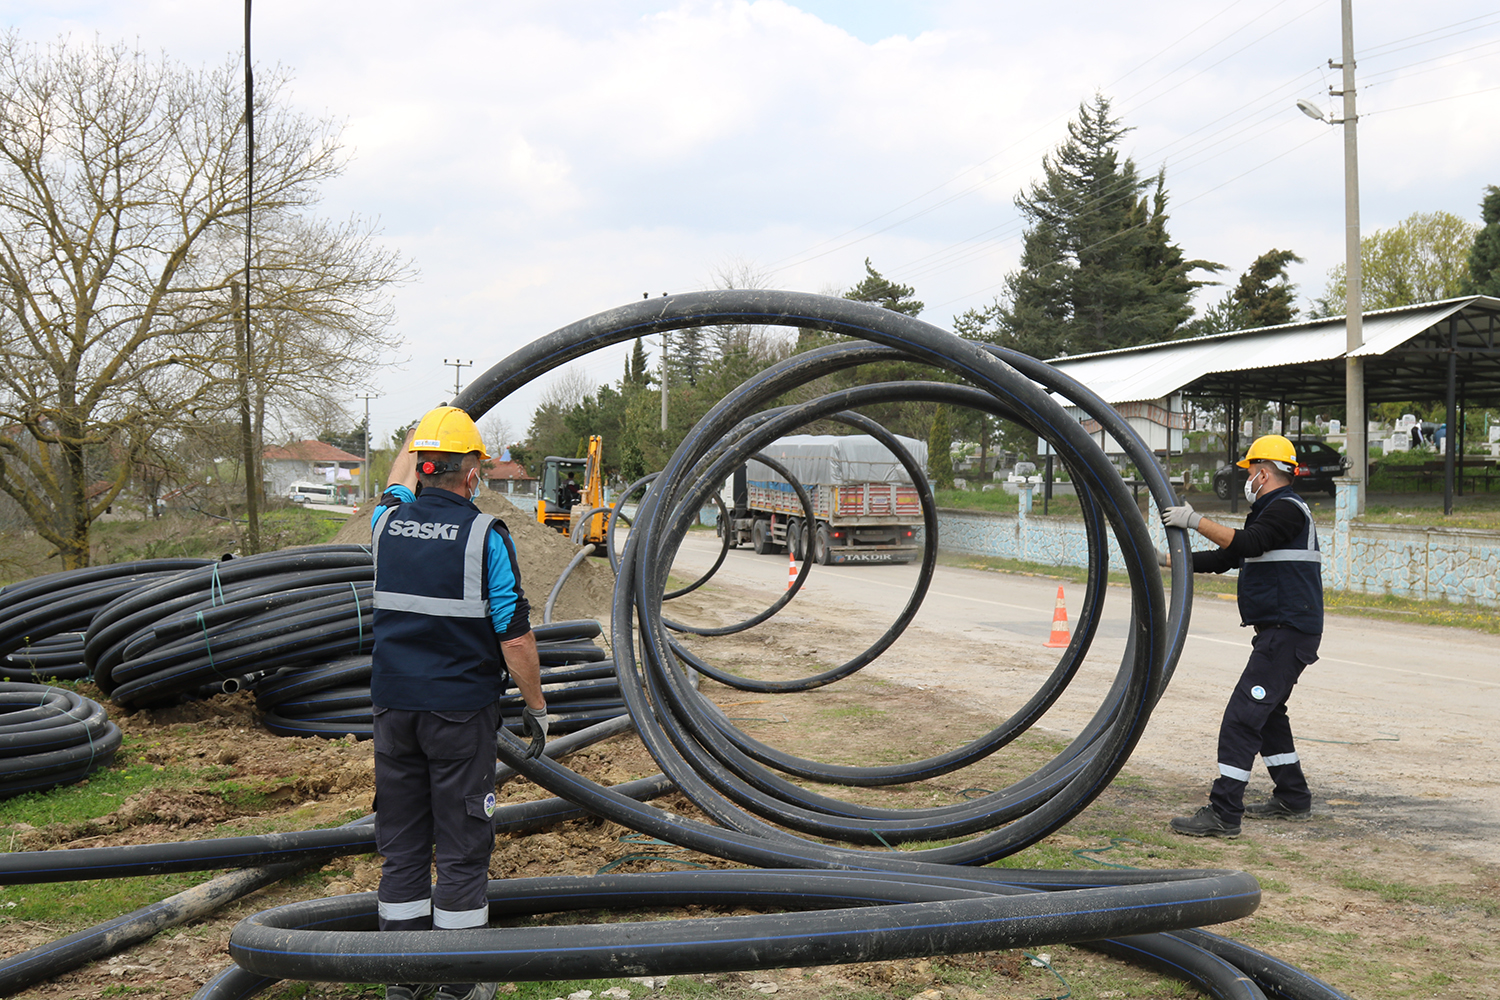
(1204, 823)
(1274, 808)
(409, 991)
(467, 991)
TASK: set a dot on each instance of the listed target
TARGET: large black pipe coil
(333, 699)
(41, 619)
(229, 621)
(759, 817)
(911, 902)
(50, 736)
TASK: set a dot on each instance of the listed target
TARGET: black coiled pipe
(50, 736)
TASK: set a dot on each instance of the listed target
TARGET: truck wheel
(734, 535)
(822, 546)
(760, 538)
(794, 540)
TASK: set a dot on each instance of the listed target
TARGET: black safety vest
(1284, 586)
(435, 647)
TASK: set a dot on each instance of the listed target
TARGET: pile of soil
(543, 555)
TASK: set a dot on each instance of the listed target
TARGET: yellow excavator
(564, 501)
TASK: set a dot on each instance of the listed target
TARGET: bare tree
(737, 272)
(122, 185)
(496, 432)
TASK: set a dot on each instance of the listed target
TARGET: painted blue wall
(1432, 564)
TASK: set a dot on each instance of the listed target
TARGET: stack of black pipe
(221, 626)
(333, 699)
(42, 619)
(49, 737)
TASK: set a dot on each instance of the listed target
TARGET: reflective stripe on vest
(471, 605)
(1309, 554)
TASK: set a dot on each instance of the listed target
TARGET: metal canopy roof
(1405, 356)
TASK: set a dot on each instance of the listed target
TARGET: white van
(312, 493)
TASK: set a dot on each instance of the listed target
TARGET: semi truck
(865, 508)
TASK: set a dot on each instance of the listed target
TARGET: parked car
(1318, 464)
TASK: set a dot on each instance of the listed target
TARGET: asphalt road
(1398, 725)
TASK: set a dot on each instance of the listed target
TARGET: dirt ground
(1347, 896)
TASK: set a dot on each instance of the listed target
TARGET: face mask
(1251, 492)
(474, 490)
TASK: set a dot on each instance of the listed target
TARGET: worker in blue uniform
(1280, 595)
(450, 621)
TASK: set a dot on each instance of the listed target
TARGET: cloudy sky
(540, 161)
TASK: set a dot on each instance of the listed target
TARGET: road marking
(1367, 666)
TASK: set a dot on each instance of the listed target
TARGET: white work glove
(534, 728)
(1181, 517)
(1163, 559)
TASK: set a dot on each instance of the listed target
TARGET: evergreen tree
(885, 293)
(1484, 256)
(1265, 300)
(1098, 267)
(686, 355)
(940, 450)
(637, 371)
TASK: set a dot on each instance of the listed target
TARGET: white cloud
(543, 161)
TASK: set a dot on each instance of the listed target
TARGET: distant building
(311, 462)
(505, 476)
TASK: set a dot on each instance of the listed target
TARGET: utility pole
(457, 367)
(364, 478)
(1357, 431)
(664, 342)
(1354, 373)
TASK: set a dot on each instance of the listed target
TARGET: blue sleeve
(401, 495)
(510, 613)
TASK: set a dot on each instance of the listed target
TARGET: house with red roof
(316, 462)
(503, 475)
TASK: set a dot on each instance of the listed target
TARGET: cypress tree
(1098, 267)
(1484, 256)
(940, 450)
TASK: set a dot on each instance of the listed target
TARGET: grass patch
(1445, 896)
(70, 906)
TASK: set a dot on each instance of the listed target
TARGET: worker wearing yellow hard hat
(1280, 595)
(450, 620)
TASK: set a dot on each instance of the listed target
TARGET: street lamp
(1354, 375)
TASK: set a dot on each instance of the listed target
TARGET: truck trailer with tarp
(864, 506)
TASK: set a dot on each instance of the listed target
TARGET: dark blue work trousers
(1255, 723)
(434, 789)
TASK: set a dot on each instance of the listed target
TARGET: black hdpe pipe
(131, 860)
(752, 841)
(272, 859)
(767, 427)
(50, 736)
(786, 597)
(57, 657)
(848, 822)
(113, 629)
(834, 918)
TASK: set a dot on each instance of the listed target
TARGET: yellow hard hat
(1271, 448)
(450, 429)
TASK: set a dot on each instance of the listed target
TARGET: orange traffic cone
(1060, 636)
(791, 578)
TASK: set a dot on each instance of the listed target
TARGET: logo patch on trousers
(1258, 692)
(489, 804)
